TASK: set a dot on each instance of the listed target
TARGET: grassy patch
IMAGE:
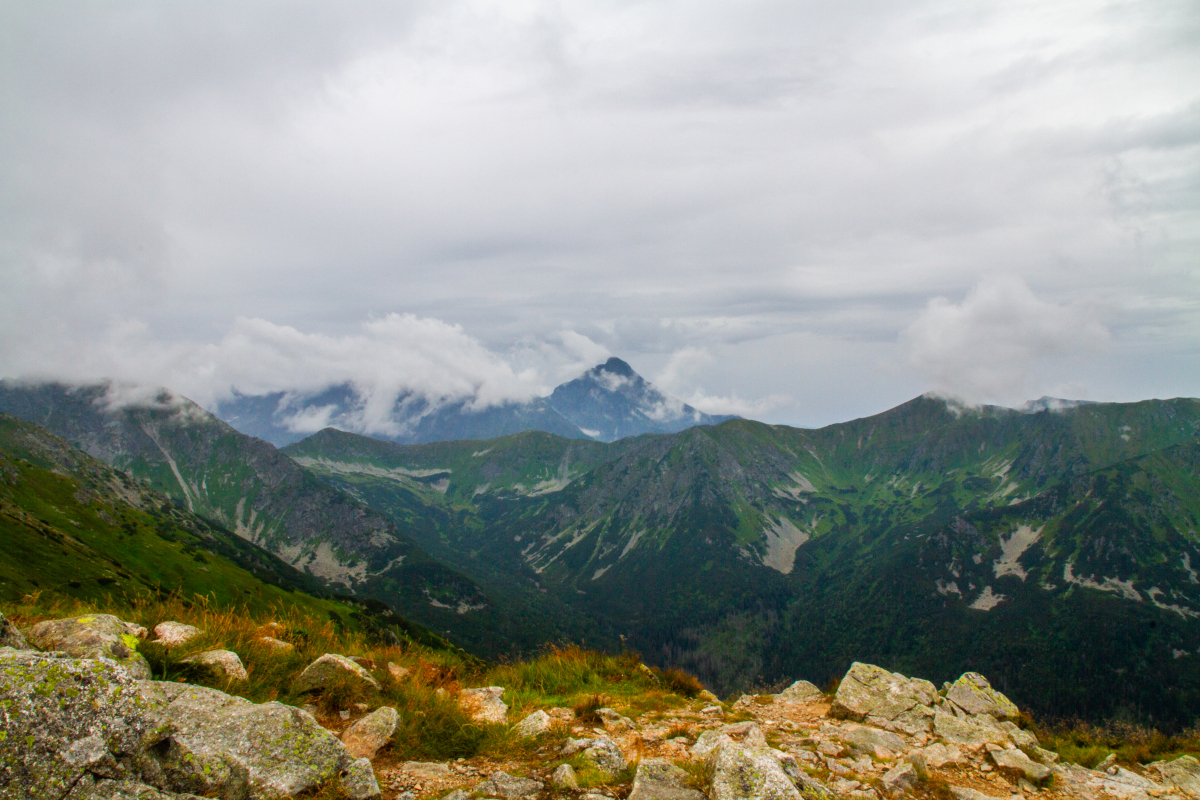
(1087, 744)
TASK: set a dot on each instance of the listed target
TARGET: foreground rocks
(92, 636)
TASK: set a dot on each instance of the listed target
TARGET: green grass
(1087, 744)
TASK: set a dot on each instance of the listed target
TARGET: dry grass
(1087, 744)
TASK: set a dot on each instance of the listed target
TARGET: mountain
(1053, 548)
(611, 401)
(608, 402)
(246, 485)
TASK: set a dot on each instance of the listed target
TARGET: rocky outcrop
(485, 704)
(800, 692)
(332, 668)
(974, 695)
(365, 737)
(92, 636)
(535, 724)
(742, 773)
(657, 779)
(885, 699)
(221, 664)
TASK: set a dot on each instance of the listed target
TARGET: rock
(430, 770)
(740, 773)
(707, 743)
(899, 779)
(800, 692)
(485, 705)
(332, 668)
(1183, 773)
(397, 672)
(274, 644)
(457, 794)
(364, 738)
(1015, 764)
(661, 780)
(564, 777)
(1023, 739)
(938, 755)
(810, 788)
(173, 634)
(974, 695)
(604, 755)
(91, 789)
(510, 787)
(223, 746)
(967, 793)
(535, 724)
(358, 781)
(970, 733)
(65, 719)
(92, 636)
(614, 722)
(708, 697)
(11, 636)
(225, 664)
(884, 699)
(1109, 761)
(747, 733)
(831, 749)
(133, 629)
(1041, 756)
(870, 740)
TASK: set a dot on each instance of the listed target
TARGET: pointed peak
(615, 366)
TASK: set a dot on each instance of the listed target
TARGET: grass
(1087, 744)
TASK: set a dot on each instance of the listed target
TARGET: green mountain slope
(752, 553)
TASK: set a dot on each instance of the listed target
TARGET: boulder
(938, 755)
(974, 695)
(11, 636)
(564, 777)
(614, 722)
(708, 742)
(89, 788)
(66, 719)
(510, 787)
(274, 644)
(899, 779)
(173, 634)
(227, 747)
(810, 788)
(330, 669)
(223, 664)
(872, 741)
(535, 724)
(364, 738)
(133, 629)
(358, 781)
(1015, 764)
(971, 733)
(601, 752)
(967, 793)
(661, 780)
(800, 692)
(747, 733)
(430, 770)
(397, 672)
(485, 705)
(1183, 773)
(885, 699)
(741, 773)
(92, 636)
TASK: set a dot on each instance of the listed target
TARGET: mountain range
(608, 402)
(1053, 548)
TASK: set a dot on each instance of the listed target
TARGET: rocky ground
(82, 721)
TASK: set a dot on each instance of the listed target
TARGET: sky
(799, 212)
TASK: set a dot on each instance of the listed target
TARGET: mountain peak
(616, 366)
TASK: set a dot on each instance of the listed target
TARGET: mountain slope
(751, 553)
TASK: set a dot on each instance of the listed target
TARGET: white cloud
(678, 377)
(985, 347)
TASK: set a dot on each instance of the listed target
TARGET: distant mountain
(608, 402)
(611, 401)
(1055, 550)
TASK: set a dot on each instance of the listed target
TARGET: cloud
(679, 378)
(985, 347)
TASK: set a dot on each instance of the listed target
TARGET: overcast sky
(801, 212)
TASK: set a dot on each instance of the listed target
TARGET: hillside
(931, 538)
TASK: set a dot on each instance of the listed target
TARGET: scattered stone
(601, 752)
(364, 738)
(430, 770)
(885, 699)
(831, 749)
(564, 777)
(740, 773)
(708, 742)
(457, 794)
(1016, 764)
(11, 636)
(173, 634)
(223, 746)
(870, 740)
(92, 636)
(275, 644)
(747, 733)
(661, 780)
(535, 724)
(967, 793)
(938, 755)
(510, 787)
(225, 664)
(974, 695)
(330, 668)
(358, 781)
(397, 672)
(614, 722)
(485, 705)
(800, 692)
(900, 778)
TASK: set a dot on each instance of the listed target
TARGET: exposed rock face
(974, 695)
(173, 634)
(65, 719)
(1183, 773)
(501, 784)
(800, 692)
(332, 668)
(364, 738)
(967, 732)
(885, 699)
(92, 636)
(225, 664)
(661, 780)
(740, 773)
(872, 741)
(485, 705)
(227, 747)
(899, 779)
(10, 636)
(1019, 765)
(535, 724)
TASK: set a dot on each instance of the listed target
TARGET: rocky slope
(933, 538)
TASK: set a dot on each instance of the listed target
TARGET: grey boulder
(485, 704)
(741, 773)
(800, 692)
(364, 738)
(885, 699)
(332, 668)
(601, 752)
(221, 664)
(974, 695)
(1183, 773)
(1016, 764)
(661, 780)
(510, 787)
(358, 781)
(92, 636)
(535, 724)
